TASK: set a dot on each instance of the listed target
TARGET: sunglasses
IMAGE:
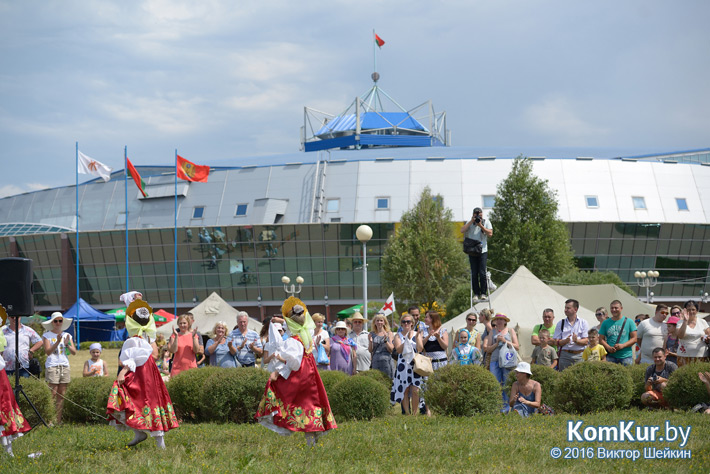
(471, 320)
(58, 321)
(598, 315)
(675, 313)
(406, 322)
(664, 313)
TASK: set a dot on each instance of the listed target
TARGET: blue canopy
(93, 324)
(372, 121)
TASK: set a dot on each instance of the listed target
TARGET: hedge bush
(84, 345)
(359, 398)
(331, 378)
(377, 376)
(88, 392)
(41, 397)
(233, 394)
(589, 387)
(463, 390)
(684, 389)
(547, 377)
(185, 391)
(638, 382)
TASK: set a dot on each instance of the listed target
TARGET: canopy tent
(347, 312)
(93, 324)
(208, 313)
(35, 318)
(118, 313)
(162, 317)
(594, 296)
(523, 298)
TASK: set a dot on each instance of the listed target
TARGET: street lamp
(292, 290)
(647, 280)
(364, 234)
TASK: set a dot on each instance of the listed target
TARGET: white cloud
(10, 190)
(562, 122)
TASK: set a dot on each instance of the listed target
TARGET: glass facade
(243, 263)
(680, 252)
(239, 263)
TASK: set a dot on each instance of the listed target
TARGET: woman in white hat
(55, 341)
(525, 395)
(342, 350)
(500, 335)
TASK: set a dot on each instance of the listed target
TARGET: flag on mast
(137, 178)
(189, 171)
(88, 165)
(388, 308)
(380, 42)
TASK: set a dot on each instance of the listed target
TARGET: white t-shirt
(58, 357)
(653, 334)
(692, 344)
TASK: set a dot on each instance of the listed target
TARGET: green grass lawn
(394, 444)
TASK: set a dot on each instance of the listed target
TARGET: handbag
(321, 355)
(507, 357)
(422, 365)
(472, 247)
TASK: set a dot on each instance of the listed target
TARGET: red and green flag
(136, 177)
(380, 42)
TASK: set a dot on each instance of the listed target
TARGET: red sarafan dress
(296, 401)
(142, 402)
(12, 423)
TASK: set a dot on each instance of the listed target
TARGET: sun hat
(673, 320)
(95, 346)
(65, 323)
(340, 325)
(523, 368)
(501, 316)
(357, 315)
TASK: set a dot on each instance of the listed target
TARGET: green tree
(423, 261)
(578, 277)
(526, 228)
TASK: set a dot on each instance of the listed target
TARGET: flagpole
(175, 237)
(125, 187)
(78, 306)
(374, 49)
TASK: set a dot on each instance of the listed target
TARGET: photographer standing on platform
(477, 230)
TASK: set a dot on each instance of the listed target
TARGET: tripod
(18, 368)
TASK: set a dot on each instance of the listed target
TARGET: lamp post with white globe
(647, 280)
(364, 234)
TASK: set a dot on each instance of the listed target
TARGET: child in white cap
(95, 367)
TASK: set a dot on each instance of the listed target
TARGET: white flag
(91, 166)
(388, 308)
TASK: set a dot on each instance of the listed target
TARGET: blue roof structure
(372, 121)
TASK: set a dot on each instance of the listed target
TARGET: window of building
(335, 219)
(489, 201)
(241, 210)
(198, 212)
(383, 203)
(639, 202)
(682, 204)
(592, 202)
(332, 205)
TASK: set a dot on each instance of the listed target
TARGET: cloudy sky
(223, 79)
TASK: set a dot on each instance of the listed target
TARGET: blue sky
(222, 79)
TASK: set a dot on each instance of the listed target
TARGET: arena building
(260, 218)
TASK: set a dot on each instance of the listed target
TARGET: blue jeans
(23, 373)
(501, 374)
(626, 361)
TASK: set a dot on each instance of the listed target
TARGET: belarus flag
(189, 171)
(136, 178)
(388, 308)
(380, 42)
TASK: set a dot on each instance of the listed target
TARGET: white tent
(594, 296)
(523, 298)
(208, 313)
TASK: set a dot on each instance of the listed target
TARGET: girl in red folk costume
(139, 399)
(295, 399)
(12, 423)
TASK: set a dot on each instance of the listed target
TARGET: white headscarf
(129, 297)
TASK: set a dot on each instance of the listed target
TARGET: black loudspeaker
(16, 286)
